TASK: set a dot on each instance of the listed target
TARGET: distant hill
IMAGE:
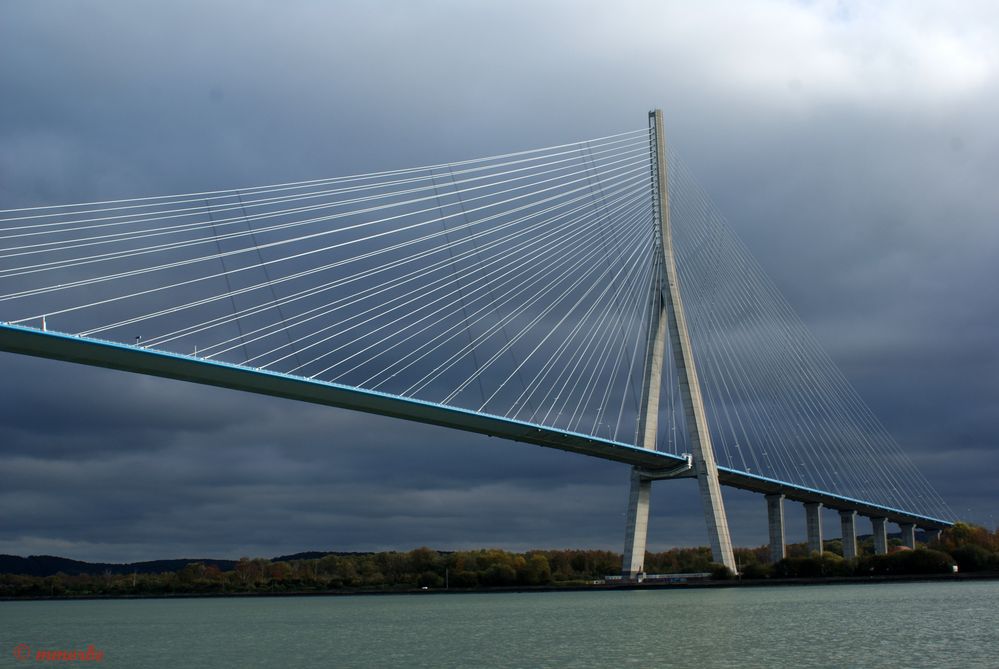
(315, 555)
(47, 565)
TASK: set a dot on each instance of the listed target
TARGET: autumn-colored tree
(279, 571)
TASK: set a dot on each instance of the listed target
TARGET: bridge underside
(113, 355)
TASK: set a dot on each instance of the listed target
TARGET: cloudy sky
(852, 145)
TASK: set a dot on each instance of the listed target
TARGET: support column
(775, 521)
(848, 523)
(686, 370)
(908, 534)
(813, 523)
(636, 531)
(932, 535)
(879, 527)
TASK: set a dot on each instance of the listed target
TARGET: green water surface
(935, 624)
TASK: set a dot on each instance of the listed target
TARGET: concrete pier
(637, 529)
(908, 534)
(879, 526)
(932, 535)
(775, 521)
(848, 524)
(813, 523)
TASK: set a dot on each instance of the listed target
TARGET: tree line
(963, 547)
(970, 547)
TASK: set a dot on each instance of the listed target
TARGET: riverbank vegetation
(963, 547)
(970, 547)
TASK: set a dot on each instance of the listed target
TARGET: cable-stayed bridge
(586, 297)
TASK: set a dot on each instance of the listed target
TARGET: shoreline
(603, 587)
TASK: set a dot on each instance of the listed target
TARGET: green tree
(973, 557)
(499, 574)
(536, 570)
(424, 559)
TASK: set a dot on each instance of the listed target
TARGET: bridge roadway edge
(124, 357)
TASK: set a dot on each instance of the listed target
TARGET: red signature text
(25, 653)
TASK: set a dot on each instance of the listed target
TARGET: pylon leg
(637, 529)
(683, 360)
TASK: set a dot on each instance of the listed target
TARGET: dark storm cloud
(854, 151)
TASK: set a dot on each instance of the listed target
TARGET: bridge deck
(113, 355)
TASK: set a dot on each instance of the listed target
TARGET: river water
(935, 624)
